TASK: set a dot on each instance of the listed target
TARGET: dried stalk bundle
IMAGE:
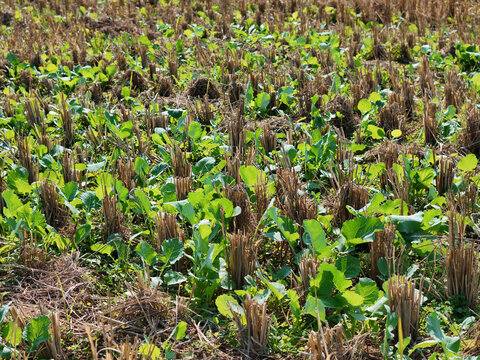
(463, 272)
(93, 138)
(388, 154)
(327, 344)
(461, 262)
(181, 166)
(445, 175)
(455, 89)
(145, 311)
(202, 86)
(26, 159)
(308, 269)
(346, 121)
(34, 117)
(68, 124)
(182, 186)
(236, 132)
(295, 206)
(344, 170)
(400, 187)
(138, 135)
(55, 213)
(382, 247)
(111, 215)
(408, 94)
(406, 301)
(126, 173)
(233, 167)
(268, 139)
(69, 172)
(253, 335)
(166, 228)
(173, 68)
(427, 85)
(153, 122)
(241, 259)
(235, 89)
(239, 197)
(430, 124)
(470, 135)
(352, 195)
(263, 199)
(391, 116)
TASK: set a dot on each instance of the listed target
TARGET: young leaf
(37, 331)
(104, 249)
(147, 252)
(314, 307)
(361, 229)
(349, 265)
(468, 163)
(173, 278)
(315, 234)
(364, 106)
(367, 288)
(172, 250)
(180, 330)
(150, 351)
(226, 303)
(12, 333)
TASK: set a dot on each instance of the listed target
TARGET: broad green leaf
(195, 130)
(408, 224)
(204, 165)
(282, 273)
(90, 200)
(367, 288)
(364, 106)
(104, 249)
(12, 333)
(12, 201)
(180, 330)
(361, 229)
(396, 133)
(144, 40)
(141, 166)
(173, 278)
(314, 307)
(424, 345)
(172, 250)
(226, 303)
(314, 232)
(70, 190)
(37, 331)
(150, 351)
(352, 298)
(82, 232)
(434, 328)
(125, 92)
(276, 288)
(476, 81)
(12, 58)
(3, 312)
(375, 132)
(262, 100)
(468, 163)
(148, 254)
(143, 201)
(251, 175)
(349, 265)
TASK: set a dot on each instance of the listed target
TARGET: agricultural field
(210, 179)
